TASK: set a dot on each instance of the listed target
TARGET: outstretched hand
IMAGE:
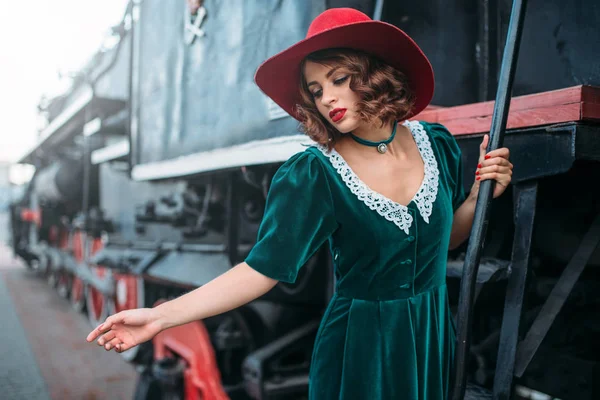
(493, 165)
(126, 329)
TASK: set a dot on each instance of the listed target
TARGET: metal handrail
(483, 206)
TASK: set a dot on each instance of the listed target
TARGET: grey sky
(37, 39)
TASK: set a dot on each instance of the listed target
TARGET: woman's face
(330, 89)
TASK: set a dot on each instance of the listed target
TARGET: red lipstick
(337, 114)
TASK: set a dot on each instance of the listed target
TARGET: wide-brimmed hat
(279, 76)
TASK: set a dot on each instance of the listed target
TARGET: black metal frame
(563, 144)
(557, 298)
(483, 209)
(524, 199)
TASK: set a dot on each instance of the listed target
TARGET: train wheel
(53, 277)
(169, 372)
(63, 286)
(43, 267)
(130, 294)
(78, 295)
(99, 307)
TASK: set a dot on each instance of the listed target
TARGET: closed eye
(341, 80)
(318, 93)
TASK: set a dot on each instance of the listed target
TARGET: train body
(152, 173)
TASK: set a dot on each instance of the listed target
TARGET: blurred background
(43, 45)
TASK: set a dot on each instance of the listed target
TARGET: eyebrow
(331, 71)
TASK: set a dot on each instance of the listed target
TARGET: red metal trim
(53, 235)
(191, 342)
(78, 243)
(98, 299)
(131, 286)
(29, 215)
(77, 289)
(64, 239)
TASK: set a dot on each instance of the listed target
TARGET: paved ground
(43, 352)
(20, 377)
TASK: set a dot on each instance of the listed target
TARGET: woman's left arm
(493, 165)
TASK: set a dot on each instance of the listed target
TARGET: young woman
(384, 191)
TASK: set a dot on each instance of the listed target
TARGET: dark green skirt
(393, 349)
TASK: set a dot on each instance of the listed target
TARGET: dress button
(410, 239)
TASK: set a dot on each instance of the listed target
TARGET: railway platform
(43, 352)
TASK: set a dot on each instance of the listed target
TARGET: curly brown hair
(384, 92)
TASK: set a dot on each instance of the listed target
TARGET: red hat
(279, 76)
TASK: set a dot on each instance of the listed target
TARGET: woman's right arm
(238, 286)
(298, 219)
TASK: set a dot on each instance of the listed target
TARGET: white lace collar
(389, 209)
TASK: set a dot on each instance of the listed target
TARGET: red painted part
(191, 342)
(96, 246)
(98, 300)
(78, 243)
(77, 289)
(578, 103)
(29, 215)
(53, 235)
(190, 392)
(64, 239)
(131, 286)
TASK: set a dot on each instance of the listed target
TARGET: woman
(385, 192)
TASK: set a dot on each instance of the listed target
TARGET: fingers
(107, 337)
(500, 161)
(502, 179)
(483, 147)
(112, 344)
(496, 166)
(483, 155)
(104, 327)
(122, 347)
(500, 169)
(501, 152)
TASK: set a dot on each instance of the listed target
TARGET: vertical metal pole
(87, 164)
(378, 10)
(233, 219)
(134, 89)
(487, 48)
(482, 209)
(525, 196)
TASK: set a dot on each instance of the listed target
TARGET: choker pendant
(381, 146)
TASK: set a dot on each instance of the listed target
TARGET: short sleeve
(451, 156)
(298, 219)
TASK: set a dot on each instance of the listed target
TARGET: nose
(328, 97)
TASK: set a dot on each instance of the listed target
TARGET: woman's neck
(374, 132)
(397, 148)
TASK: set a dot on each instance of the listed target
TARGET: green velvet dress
(387, 332)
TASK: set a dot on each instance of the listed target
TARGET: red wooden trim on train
(578, 103)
